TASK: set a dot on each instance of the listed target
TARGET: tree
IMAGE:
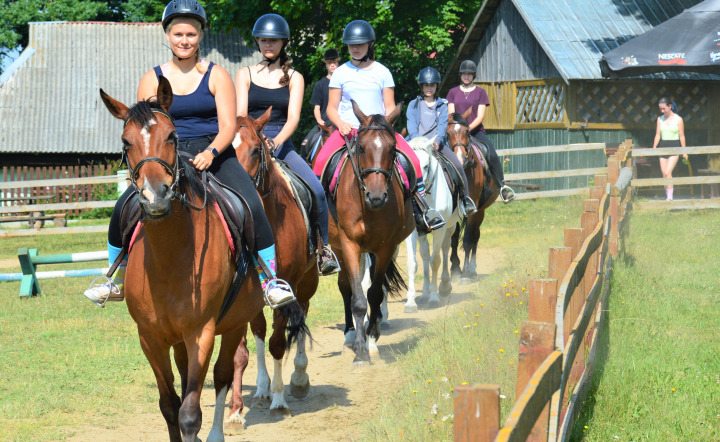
(411, 34)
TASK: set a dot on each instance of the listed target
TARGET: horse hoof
(411, 308)
(299, 391)
(234, 425)
(421, 300)
(359, 366)
(433, 303)
(280, 413)
(384, 325)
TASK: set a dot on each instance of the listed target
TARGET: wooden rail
(559, 341)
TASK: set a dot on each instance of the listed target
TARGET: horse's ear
(359, 114)
(263, 120)
(395, 113)
(451, 117)
(164, 93)
(116, 108)
(403, 132)
(467, 113)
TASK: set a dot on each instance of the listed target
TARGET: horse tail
(295, 316)
(394, 284)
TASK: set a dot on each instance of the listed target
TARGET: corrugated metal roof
(51, 103)
(576, 33)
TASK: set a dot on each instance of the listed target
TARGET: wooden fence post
(559, 262)
(613, 169)
(542, 300)
(537, 341)
(477, 413)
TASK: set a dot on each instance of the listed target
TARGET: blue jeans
(287, 153)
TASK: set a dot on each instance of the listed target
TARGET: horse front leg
(200, 348)
(376, 295)
(424, 243)
(470, 242)
(411, 246)
(223, 374)
(235, 423)
(455, 269)
(158, 355)
(356, 302)
(445, 279)
(262, 395)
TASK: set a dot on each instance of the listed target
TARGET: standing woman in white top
(670, 133)
(371, 86)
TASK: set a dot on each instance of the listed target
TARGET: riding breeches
(494, 162)
(336, 141)
(228, 171)
(450, 155)
(287, 153)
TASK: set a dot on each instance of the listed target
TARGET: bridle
(173, 169)
(468, 156)
(353, 145)
(259, 178)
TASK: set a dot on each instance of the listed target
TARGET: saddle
(237, 222)
(481, 150)
(311, 144)
(452, 176)
(306, 201)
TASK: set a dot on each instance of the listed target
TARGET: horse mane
(142, 111)
(379, 120)
(459, 119)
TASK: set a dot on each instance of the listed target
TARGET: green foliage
(411, 34)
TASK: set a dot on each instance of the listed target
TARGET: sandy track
(338, 397)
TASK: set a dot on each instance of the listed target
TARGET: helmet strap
(367, 54)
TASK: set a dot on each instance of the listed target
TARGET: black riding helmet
(429, 75)
(271, 26)
(331, 54)
(358, 32)
(468, 66)
(184, 8)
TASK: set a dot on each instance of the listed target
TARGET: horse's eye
(172, 138)
(126, 144)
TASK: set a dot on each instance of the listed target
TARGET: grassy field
(68, 363)
(660, 378)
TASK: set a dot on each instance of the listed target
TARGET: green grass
(658, 378)
(476, 342)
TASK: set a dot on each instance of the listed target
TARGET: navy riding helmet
(429, 75)
(184, 8)
(358, 32)
(468, 66)
(271, 26)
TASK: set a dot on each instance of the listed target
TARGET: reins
(259, 178)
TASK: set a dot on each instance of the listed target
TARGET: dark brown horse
(180, 270)
(483, 191)
(373, 217)
(295, 260)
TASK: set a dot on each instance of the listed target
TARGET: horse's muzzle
(375, 201)
(155, 200)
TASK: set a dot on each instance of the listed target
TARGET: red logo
(672, 58)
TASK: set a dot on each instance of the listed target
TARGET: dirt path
(338, 397)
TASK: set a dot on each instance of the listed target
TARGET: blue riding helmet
(271, 26)
(358, 32)
(184, 8)
(429, 75)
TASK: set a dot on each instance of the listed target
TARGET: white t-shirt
(365, 86)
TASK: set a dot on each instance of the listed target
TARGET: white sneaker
(104, 292)
(278, 293)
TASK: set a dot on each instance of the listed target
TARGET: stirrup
(278, 293)
(101, 293)
(331, 265)
(427, 219)
(465, 212)
(506, 199)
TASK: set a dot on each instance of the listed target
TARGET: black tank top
(261, 98)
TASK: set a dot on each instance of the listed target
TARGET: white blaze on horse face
(145, 132)
(237, 140)
(378, 143)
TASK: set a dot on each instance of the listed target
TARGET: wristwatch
(213, 151)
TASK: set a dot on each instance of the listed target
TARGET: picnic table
(34, 218)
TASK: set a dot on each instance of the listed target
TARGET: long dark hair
(285, 65)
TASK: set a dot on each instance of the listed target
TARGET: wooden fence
(541, 158)
(68, 189)
(559, 341)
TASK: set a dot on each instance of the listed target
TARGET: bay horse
(179, 271)
(439, 196)
(295, 260)
(373, 218)
(482, 190)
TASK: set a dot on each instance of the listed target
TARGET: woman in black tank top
(273, 83)
(204, 109)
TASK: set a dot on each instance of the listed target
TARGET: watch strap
(213, 151)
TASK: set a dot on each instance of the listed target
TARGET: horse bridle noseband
(354, 155)
(174, 170)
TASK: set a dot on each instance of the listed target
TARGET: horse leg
(278, 341)
(299, 380)
(375, 296)
(445, 280)
(222, 378)
(200, 347)
(470, 241)
(343, 283)
(258, 326)
(357, 301)
(454, 258)
(181, 362)
(411, 246)
(158, 354)
(235, 421)
(425, 255)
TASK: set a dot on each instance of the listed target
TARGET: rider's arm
(242, 86)
(148, 86)
(221, 86)
(297, 87)
(388, 94)
(480, 116)
(332, 111)
(412, 119)
(318, 115)
(442, 121)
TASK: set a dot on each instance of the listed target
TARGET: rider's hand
(344, 128)
(685, 156)
(436, 146)
(203, 160)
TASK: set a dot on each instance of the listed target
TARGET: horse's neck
(183, 226)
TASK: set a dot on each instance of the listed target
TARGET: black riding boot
(426, 218)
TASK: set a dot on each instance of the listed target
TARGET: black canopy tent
(688, 42)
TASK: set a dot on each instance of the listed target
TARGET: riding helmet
(468, 66)
(331, 54)
(358, 32)
(271, 26)
(184, 8)
(429, 75)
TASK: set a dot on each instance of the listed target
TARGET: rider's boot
(427, 219)
(467, 205)
(327, 261)
(277, 291)
(111, 289)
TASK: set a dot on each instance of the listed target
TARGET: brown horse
(483, 191)
(295, 260)
(180, 270)
(373, 218)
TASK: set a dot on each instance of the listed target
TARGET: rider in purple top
(463, 101)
